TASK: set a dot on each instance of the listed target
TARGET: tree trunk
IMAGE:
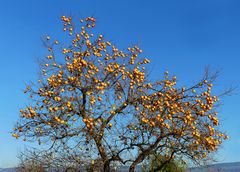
(106, 166)
(101, 150)
(132, 167)
(136, 162)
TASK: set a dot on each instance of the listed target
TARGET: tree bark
(106, 166)
(101, 150)
(136, 162)
(132, 168)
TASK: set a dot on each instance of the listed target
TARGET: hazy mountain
(7, 170)
(223, 167)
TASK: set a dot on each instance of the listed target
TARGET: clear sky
(180, 36)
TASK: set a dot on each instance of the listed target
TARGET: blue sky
(180, 36)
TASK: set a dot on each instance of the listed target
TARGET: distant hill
(221, 167)
(7, 170)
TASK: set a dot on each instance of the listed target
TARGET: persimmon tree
(93, 96)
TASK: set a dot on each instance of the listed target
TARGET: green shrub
(158, 163)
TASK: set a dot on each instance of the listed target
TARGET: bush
(159, 163)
